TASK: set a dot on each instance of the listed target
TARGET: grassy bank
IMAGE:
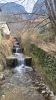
(43, 63)
(5, 50)
(41, 47)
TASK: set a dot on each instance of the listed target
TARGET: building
(4, 30)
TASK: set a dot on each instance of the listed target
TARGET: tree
(0, 9)
(51, 8)
(55, 4)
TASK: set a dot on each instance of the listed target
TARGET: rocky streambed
(23, 84)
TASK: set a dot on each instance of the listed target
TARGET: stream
(22, 82)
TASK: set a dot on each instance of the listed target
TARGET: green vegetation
(46, 64)
(1, 32)
(43, 62)
(41, 29)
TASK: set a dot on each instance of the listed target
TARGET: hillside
(39, 8)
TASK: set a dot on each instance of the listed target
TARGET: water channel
(22, 82)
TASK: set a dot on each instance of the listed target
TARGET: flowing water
(23, 83)
(21, 68)
(17, 50)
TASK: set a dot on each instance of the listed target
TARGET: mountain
(39, 9)
(12, 7)
(10, 14)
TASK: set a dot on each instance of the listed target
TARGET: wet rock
(40, 84)
(2, 77)
(42, 88)
(26, 91)
(46, 94)
(35, 88)
(11, 86)
(13, 71)
(37, 83)
(1, 67)
(52, 97)
(47, 88)
(43, 84)
(33, 82)
(6, 73)
(43, 91)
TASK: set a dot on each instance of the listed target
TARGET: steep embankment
(43, 61)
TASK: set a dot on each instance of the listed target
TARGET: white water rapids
(21, 68)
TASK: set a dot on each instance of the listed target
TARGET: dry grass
(45, 40)
(5, 50)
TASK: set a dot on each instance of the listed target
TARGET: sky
(28, 4)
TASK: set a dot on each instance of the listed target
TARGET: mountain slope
(12, 7)
(39, 8)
